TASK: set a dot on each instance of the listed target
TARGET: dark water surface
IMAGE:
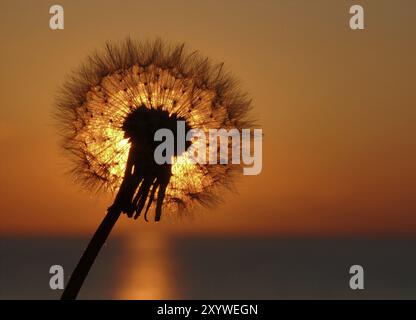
(192, 267)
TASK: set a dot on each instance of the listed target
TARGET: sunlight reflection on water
(148, 268)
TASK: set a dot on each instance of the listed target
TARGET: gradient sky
(337, 108)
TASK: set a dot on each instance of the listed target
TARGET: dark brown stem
(88, 258)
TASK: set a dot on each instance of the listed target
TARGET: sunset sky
(337, 108)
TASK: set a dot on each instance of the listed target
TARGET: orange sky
(337, 109)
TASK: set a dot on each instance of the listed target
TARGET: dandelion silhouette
(109, 111)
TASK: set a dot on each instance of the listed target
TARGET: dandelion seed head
(114, 83)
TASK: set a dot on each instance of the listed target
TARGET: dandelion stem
(88, 258)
